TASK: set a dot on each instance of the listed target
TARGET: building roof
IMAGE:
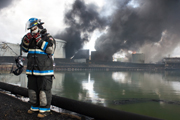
(60, 40)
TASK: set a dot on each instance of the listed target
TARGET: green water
(146, 93)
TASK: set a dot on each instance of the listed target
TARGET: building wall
(60, 50)
(172, 60)
(138, 58)
(172, 63)
(10, 49)
(99, 56)
(82, 54)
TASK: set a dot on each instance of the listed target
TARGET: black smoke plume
(82, 20)
(151, 27)
(4, 3)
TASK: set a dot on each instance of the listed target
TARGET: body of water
(146, 93)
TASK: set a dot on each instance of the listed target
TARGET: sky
(15, 13)
(118, 26)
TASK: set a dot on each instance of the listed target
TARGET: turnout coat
(39, 58)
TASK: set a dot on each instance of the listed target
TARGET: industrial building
(81, 61)
(99, 56)
(138, 58)
(8, 52)
(60, 50)
(11, 49)
(82, 56)
(172, 63)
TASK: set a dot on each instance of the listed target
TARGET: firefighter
(40, 47)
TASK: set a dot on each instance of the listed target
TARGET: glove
(28, 37)
(37, 36)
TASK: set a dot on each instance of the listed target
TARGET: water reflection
(96, 87)
(105, 87)
(12, 79)
(57, 87)
(121, 77)
(91, 95)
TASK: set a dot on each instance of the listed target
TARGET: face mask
(34, 30)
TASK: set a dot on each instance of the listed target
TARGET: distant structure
(82, 56)
(60, 50)
(138, 58)
(8, 52)
(172, 63)
(98, 56)
(11, 49)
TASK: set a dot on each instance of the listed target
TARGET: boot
(43, 114)
(31, 111)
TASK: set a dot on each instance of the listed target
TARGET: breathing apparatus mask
(19, 64)
(34, 30)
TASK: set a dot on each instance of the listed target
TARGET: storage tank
(60, 50)
(9, 49)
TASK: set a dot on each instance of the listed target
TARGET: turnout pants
(39, 90)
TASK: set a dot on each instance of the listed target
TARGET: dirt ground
(12, 108)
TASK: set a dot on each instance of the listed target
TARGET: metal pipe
(14, 89)
(91, 110)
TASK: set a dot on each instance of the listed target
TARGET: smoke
(148, 26)
(81, 20)
(157, 51)
(4, 3)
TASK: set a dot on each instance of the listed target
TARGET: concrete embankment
(15, 109)
(95, 66)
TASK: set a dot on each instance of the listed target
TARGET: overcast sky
(15, 13)
(124, 16)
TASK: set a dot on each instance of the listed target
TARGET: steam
(149, 26)
(81, 20)
(157, 51)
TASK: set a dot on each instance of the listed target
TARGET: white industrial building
(11, 49)
(60, 50)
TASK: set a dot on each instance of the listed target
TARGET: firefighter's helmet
(33, 22)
